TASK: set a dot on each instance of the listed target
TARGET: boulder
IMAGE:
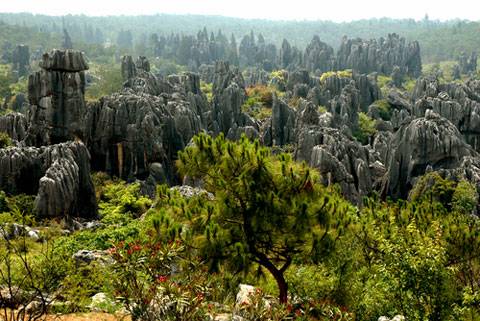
(83, 257)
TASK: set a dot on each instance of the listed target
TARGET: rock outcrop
(467, 64)
(56, 95)
(318, 57)
(15, 125)
(21, 60)
(381, 55)
(459, 103)
(428, 142)
(340, 160)
(228, 97)
(59, 175)
(147, 122)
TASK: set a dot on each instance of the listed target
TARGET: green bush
(366, 128)
(259, 101)
(384, 109)
(5, 140)
(207, 89)
(81, 283)
(383, 81)
(341, 74)
(142, 277)
(464, 198)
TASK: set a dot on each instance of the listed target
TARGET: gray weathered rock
(128, 68)
(64, 60)
(189, 192)
(21, 60)
(56, 94)
(15, 125)
(282, 123)
(380, 55)
(318, 56)
(430, 141)
(338, 159)
(87, 257)
(59, 175)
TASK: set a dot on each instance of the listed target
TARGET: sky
(335, 10)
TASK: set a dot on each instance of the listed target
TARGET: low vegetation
(341, 73)
(366, 128)
(259, 101)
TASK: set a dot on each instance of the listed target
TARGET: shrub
(262, 93)
(366, 128)
(146, 281)
(434, 189)
(384, 109)
(207, 89)
(120, 202)
(383, 81)
(409, 84)
(81, 283)
(29, 275)
(5, 140)
(464, 198)
(259, 101)
(408, 263)
(341, 74)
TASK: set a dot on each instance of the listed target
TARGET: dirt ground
(89, 317)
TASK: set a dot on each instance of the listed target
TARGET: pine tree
(269, 209)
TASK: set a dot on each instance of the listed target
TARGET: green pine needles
(268, 209)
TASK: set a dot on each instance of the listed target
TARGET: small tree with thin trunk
(269, 210)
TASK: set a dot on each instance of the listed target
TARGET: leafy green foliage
(107, 80)
(81, 283)
(408, 271)
(366, 128)
(341, 74)
(6, 79)
(383, 81)
(5, 140)
(409, 85)
(207, 89)
(120, 202)
(384, 109)
(144, 279)
(464, 198)
(259, 101)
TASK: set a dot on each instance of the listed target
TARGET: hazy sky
(337, 10)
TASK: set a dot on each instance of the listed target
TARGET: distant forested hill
(439, 40)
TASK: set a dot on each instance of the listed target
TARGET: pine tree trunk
(282, 288)
(281, 283)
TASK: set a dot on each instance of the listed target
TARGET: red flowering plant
(155, 282)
